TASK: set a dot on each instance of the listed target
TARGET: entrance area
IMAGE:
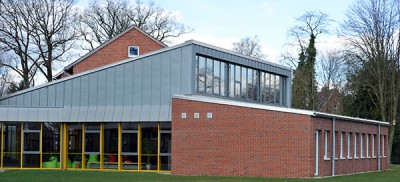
(129, 146)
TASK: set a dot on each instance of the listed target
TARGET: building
(129, 43)
(191, 109)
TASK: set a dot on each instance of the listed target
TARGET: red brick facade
(240, 141)
(115, 50)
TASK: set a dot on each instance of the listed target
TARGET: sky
(222, 22)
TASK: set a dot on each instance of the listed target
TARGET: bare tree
(332, 77)
(15, 37)
(249, 46)
(105, 19)
(54, 33)
(371, 33)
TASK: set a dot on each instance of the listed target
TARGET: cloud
(268, 8)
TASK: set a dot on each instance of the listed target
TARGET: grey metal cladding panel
(146, 87)
(186, 70)
(110, 94)
(12, 101)
(43, 96)
(28, 99)
(175, 71)
(60, 94)
(128, 92)
(22, 114)
(20, 100)
(165, 86)
(101, 95)
(137, 90)
(76, 96)
(155, 87)
(92, 100)
(84, 98)
(119, 92)
(67, 100)
(35, 98)
(51, 97)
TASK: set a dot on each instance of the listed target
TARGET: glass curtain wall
(130, 145)
(31, 145)
(92, 145)
(149, 143)
(12, 145)
(222, 79)
(51, 145)
(110, 146)
(118, 146)
(165, 146)
(74, 144)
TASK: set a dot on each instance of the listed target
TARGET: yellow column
(22, 144)
(101, 145)
(158, 147)
(64, 147)
(83, 147)
(140, 147)
(41, 144)
(119, 146)
(1, 145)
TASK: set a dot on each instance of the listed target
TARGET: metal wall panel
(128, 92)
(137, 90)
(119, 93)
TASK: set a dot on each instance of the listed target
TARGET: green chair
(93, 158)
(52, 163)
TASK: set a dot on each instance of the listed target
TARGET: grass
(99, 176)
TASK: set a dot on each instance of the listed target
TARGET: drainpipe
(333, 145)
(379, 147)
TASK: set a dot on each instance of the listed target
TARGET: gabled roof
(103, 45)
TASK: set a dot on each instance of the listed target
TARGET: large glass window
(130, 146)
(201, 74)
(51, 145)
(149, 145)
(75, 145)
(31, 144)
(92, 145)
(220, 78)
(165, 146)
(110, 146)
(12, 145)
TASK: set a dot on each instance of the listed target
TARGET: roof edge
(216, 100)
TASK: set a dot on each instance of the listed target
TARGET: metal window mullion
(41, 145)
(158, 147)
(83, 166)
(22, 145)
(101, 146)
(119, 146)
(139, 136)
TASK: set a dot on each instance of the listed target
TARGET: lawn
(98, 176)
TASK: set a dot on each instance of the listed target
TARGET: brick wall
(240, 141)
(117, 50)
(348, 165)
